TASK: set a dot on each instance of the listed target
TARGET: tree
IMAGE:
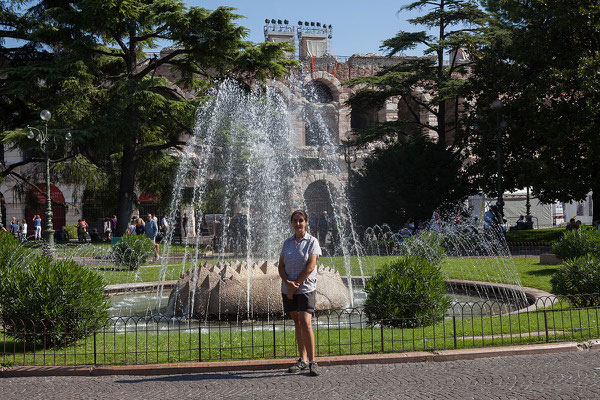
(543, 65)
(87, 62)
(424, 86)
(407, 179)
(430, 84)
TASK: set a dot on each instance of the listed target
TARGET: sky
(359, 26)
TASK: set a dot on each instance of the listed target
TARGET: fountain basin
(237, 288)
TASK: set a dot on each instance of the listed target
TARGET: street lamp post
(44, 141)
(349, 154)
(497, 105)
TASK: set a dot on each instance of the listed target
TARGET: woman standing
(298, 272)
(37, 223)
(23, 231)
(140, 227)
(107, 227)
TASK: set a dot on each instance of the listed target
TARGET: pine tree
(94, 64)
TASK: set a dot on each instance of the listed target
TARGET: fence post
(454, 330)
(546, 326)
(274, 348)
(200, 341)
(95, 352)
(381, 335)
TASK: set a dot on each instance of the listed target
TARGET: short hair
(301, 212)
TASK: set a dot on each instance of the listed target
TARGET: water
(246, 161)
(244, 144)
(138, 304)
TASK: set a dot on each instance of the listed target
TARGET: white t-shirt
(295, 256)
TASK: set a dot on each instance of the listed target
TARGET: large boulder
(222, 290)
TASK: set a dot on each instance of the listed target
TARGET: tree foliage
(94, 64)
(542, 62)
(430, 84)
(408, 179)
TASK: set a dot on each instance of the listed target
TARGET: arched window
(317, 92)
(362, 119)
(317, 199)
(35, 203)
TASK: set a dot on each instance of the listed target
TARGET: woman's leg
(299, 334)
(307, 335)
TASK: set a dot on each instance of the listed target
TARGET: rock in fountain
(222, 290)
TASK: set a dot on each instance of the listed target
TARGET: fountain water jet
(245, 141)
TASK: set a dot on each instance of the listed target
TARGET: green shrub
(132, 251)
(12, 251)
(576, 277)
(577, 243)
(425, 245)
(50, 303)
(71, 231)
(406, 293)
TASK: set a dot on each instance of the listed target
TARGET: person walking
(140, 227)
(107, 227)
(164, 225)
(323, 228)
(37, 223)
(298, 271)
(14, 228)
(23, 231)
(151, 232)
(131, 227)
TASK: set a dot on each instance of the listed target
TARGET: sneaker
(298, 366)
(314, 369)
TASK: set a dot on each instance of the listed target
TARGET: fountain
(221, 290)
(245, 142)
(244, 145)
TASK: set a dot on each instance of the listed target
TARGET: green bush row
(57, 301)
(579, 275)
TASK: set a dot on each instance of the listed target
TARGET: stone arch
(281, 89)
(327, 79)
(36, 204)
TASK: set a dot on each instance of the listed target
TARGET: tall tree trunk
(126, 189)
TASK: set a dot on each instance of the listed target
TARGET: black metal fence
(145, 340)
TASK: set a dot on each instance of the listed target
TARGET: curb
(273, 364)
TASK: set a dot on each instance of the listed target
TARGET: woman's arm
(292, 286)
(311, 264)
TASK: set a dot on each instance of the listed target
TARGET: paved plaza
(573, 375)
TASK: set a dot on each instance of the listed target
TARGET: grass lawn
(530, 272)
(260, 340)
(150, 344)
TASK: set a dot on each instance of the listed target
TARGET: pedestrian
(164, 224)
(184, 222)
(571, 225)
(37, 223)
(323, 228)
(23, 231)
(131, 227)
(107, 227)
(151, 232)
(114, 224)
(298, 271)
(140, 227)
(14, 228)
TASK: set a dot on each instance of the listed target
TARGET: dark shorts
(300, 302)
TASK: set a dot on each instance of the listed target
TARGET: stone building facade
(318, 69)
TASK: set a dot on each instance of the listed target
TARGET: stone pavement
(572, 375)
